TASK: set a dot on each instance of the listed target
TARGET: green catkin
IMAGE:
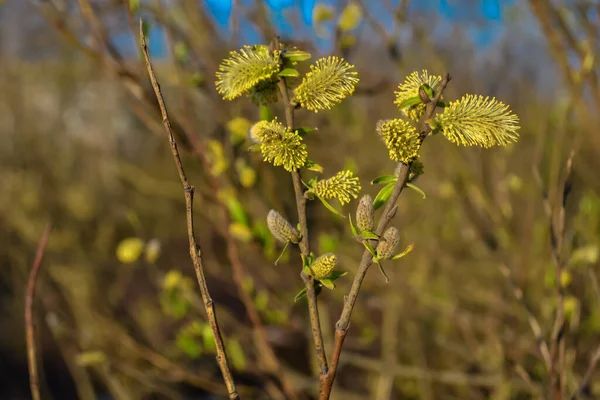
(323, 265)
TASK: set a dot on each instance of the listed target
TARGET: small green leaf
(405, 252)
(134, 6)
(264, 113)
(352, 227)
(369, 247)
(311, 183)
(146, 26)
(296, 55)
(237, 211)
(313, 166)
(261, 300)
(442, 104)
(208, 338)
(291, 72)
(384, 179)
(330, 207)
(305, 131)
(383, 195)
(306, 269)
(328, 283)
(300, 295)
(387, 280)
(255, 148)
(335, 275)
(416, 189)
(282, 252)
(236, 354)
(409, 102)
(428, 90)
(369, 235)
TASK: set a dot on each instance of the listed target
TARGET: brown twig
(34, 381)
(588, 375)
(309, 282)
(195, 252)
(388, 213)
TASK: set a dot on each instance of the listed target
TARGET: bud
(323, 265)
(365, 219)
(281, 229)
(388, 243)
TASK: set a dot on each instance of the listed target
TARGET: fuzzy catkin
(323, 265)
(281, 229)
(365, 214)
(388, 243)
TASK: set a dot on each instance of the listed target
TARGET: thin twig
(309, 282)
(195, 252)
(34, 381)
(388, 213)
(588, 375)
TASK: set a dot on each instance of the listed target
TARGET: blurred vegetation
(119, 314)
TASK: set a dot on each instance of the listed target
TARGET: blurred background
(118, 310)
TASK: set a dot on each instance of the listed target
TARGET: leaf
(585, 255)
(134, 6)
(296, 55)
(369, 247)
(408, 249)
(89, 358)
(236, 354)
(330, 207)
(240, 232)
(411, 101)
(264, 113)
(387, 280)
(306, 269)
(384, 179)
(369, 235)
(441, 104)
(208, 338)
(305, 131)
(416, 189)
(328, 283)
(383, 195)
(237, 211)
(282, 252)
(335, 275)
(289, 72)
(146, 26)
(261, 300)
(352, 227)
(327, 243)
(129, 250)
(300, 295)
(313, 166)
(427, 89)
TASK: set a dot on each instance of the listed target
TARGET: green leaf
(300, 295)
(369, 235)
(328, 283)
(208, 338)
(416, 189)
(387, 280)
(327, 243)
(237, 211)
(331, 208)
(335, 275)
(305, 131)
(296, 55)
(264, 113)
(311, 183)
(384, 179)
(146, 26)
(236, 354)
(405, 252)
(428, 90)
(383, 195)
(289, 72)
(255, 148)
(306, 269)
(261, 300)
(442, 104)
(352, 227)
(409, 102)
(313, 166)
(369, 247)
(282, 253)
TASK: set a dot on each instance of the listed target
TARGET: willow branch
(195, 252)
(367, 259)
(309, 282)
(34, 381)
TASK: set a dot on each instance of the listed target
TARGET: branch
(195, 252)
(29, 323)
(309, 282)
(588, 375)
(390, 210)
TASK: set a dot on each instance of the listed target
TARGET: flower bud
(281, 229)
(388, 243)
(365, 218)
(323, 265)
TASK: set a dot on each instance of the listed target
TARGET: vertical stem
(195, 252)
(309, 282)
(34, 381)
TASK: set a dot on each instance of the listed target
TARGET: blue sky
(490, 12)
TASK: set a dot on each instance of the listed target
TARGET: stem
(34, 381)
(341, 327)
(195, 252)
(309, 281)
